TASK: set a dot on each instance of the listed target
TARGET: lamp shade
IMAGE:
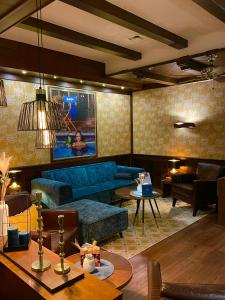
(3, 101)
(45, 139)
(40, 114)
(174, 163)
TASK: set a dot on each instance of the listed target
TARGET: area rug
(138, 238)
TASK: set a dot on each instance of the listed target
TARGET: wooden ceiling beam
(25, 57)
(187, 62)
(115, 14)
(19, 13)
(71, 36)
(214, 7)
(154, 77)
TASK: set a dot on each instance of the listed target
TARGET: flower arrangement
(4, 177)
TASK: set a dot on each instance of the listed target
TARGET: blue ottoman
(98, 221)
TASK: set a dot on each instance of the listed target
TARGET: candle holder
(41, 264)
(61, 267)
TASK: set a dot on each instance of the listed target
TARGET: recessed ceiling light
(104, 85)
(81, 81)
(55, 77)
(122, 87)
(24, 72)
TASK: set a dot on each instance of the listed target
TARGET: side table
(166, 186)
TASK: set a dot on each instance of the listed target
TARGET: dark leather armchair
(199, 189)
(51, 228)
(180, 291)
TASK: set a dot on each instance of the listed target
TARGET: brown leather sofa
(179, 291)
(221, 200)
(51, 228)
(198, 189)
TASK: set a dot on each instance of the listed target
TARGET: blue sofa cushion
(97, 220)
(75, 176)
(101, 172)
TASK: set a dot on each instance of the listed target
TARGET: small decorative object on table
(144, 184)
(89, 249)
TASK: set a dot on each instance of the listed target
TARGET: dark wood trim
(157, 78)
(78, 38)
(64, 82)
(115, 14)
(19, 13)
(21, 56)
(30, 172)
(25, 57)
(214, 7)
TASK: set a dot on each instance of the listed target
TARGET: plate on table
(104, 271)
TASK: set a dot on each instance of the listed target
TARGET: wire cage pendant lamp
(3, 100)
(40, 115)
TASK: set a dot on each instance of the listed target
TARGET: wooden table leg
(137, 210)
(153, 212)
(157, 207)
(143, 211)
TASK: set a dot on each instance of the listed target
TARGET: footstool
(98, 221)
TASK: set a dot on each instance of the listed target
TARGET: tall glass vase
(4, 215)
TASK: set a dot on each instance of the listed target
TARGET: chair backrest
(154, 280)
(208, 171)
(18, 203)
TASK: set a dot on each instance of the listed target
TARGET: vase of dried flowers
(4, 181)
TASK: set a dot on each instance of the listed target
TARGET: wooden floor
(195, 254)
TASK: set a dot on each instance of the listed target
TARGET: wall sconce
(184, 125)
(174, 164)
(14, 186)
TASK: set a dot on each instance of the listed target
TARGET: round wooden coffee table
(126, 193)
(122, 268)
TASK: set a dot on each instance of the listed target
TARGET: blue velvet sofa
(92, 181)
(77, 187)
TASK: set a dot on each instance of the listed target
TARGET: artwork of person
(79, 146)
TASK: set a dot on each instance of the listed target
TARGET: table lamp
(14, 186)
(174, 164)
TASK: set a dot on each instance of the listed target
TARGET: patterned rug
(138, 238)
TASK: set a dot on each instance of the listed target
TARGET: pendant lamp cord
(40, 41)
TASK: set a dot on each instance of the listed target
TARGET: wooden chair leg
(174, 201)
(195, 209)
(121, 234)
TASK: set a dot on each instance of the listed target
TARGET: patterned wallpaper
(155, 112)
(17, 143)
(113, 125)
(113, 114)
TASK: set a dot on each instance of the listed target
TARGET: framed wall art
(77, 138)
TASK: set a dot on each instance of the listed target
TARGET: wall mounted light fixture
(184, 125)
